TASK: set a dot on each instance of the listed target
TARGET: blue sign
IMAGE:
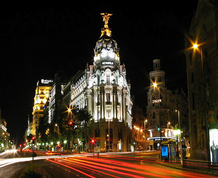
(164, 151)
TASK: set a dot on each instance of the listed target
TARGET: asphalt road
(115, 166)
(143, 165)
(13, 170)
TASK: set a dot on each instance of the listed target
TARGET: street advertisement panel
(213, 133)
(164, 151)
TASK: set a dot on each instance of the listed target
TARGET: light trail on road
(100, 167)
(109, 165)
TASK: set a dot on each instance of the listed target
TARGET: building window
(107, 97)
(153, 116)
(108, 79)
(119, 134)
(159, 79)
(98, 80)
(97, 132)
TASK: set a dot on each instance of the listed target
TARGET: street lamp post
(145, 130)
(179, 137)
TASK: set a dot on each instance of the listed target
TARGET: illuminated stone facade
(42, 94)
(163, 106)
(202, 81)
(139, 131)
(103, 89)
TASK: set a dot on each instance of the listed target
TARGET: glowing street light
(155, 85)
(195, 46)
(177, 132)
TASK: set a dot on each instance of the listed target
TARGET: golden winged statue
(106, 30)
(106, 17)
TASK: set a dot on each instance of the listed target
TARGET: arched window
(97, 132)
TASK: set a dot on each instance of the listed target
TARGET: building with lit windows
(202, 81)
(166, 109)
(56, 97)
(5, 143)
(139, 130)
(103, 89)
(42, 94)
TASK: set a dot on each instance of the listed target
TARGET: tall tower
(42, 93)
(157, 75)
(156, 94)
(202, 81)
(158, 105)
(164, 107)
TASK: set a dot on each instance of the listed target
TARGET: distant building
(103, 89)
(202, 80)
(42, 94)
(139, 131)
(5, 142)
(166, 110)
(56, 98)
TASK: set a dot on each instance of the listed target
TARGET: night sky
(38, 40)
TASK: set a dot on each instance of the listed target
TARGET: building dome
(106, 43)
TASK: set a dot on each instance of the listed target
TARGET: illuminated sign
(164, 151)
(46, 81)
(156, 101)
(3, 127)
(108, 63)
(213, 141)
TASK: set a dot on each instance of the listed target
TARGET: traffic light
(92, 141)
(70, 123)
(33, 139)
(158, 128)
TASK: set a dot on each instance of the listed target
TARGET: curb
(185, 169)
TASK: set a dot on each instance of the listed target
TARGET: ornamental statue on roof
(106, 30)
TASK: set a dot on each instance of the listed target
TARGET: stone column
(124, 104)
(89, 103)
(94, 108)
(115, 102)
(121, 104)
(102, 103)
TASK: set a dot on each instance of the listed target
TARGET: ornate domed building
(103, 89)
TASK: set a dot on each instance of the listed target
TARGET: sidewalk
(177, 165)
